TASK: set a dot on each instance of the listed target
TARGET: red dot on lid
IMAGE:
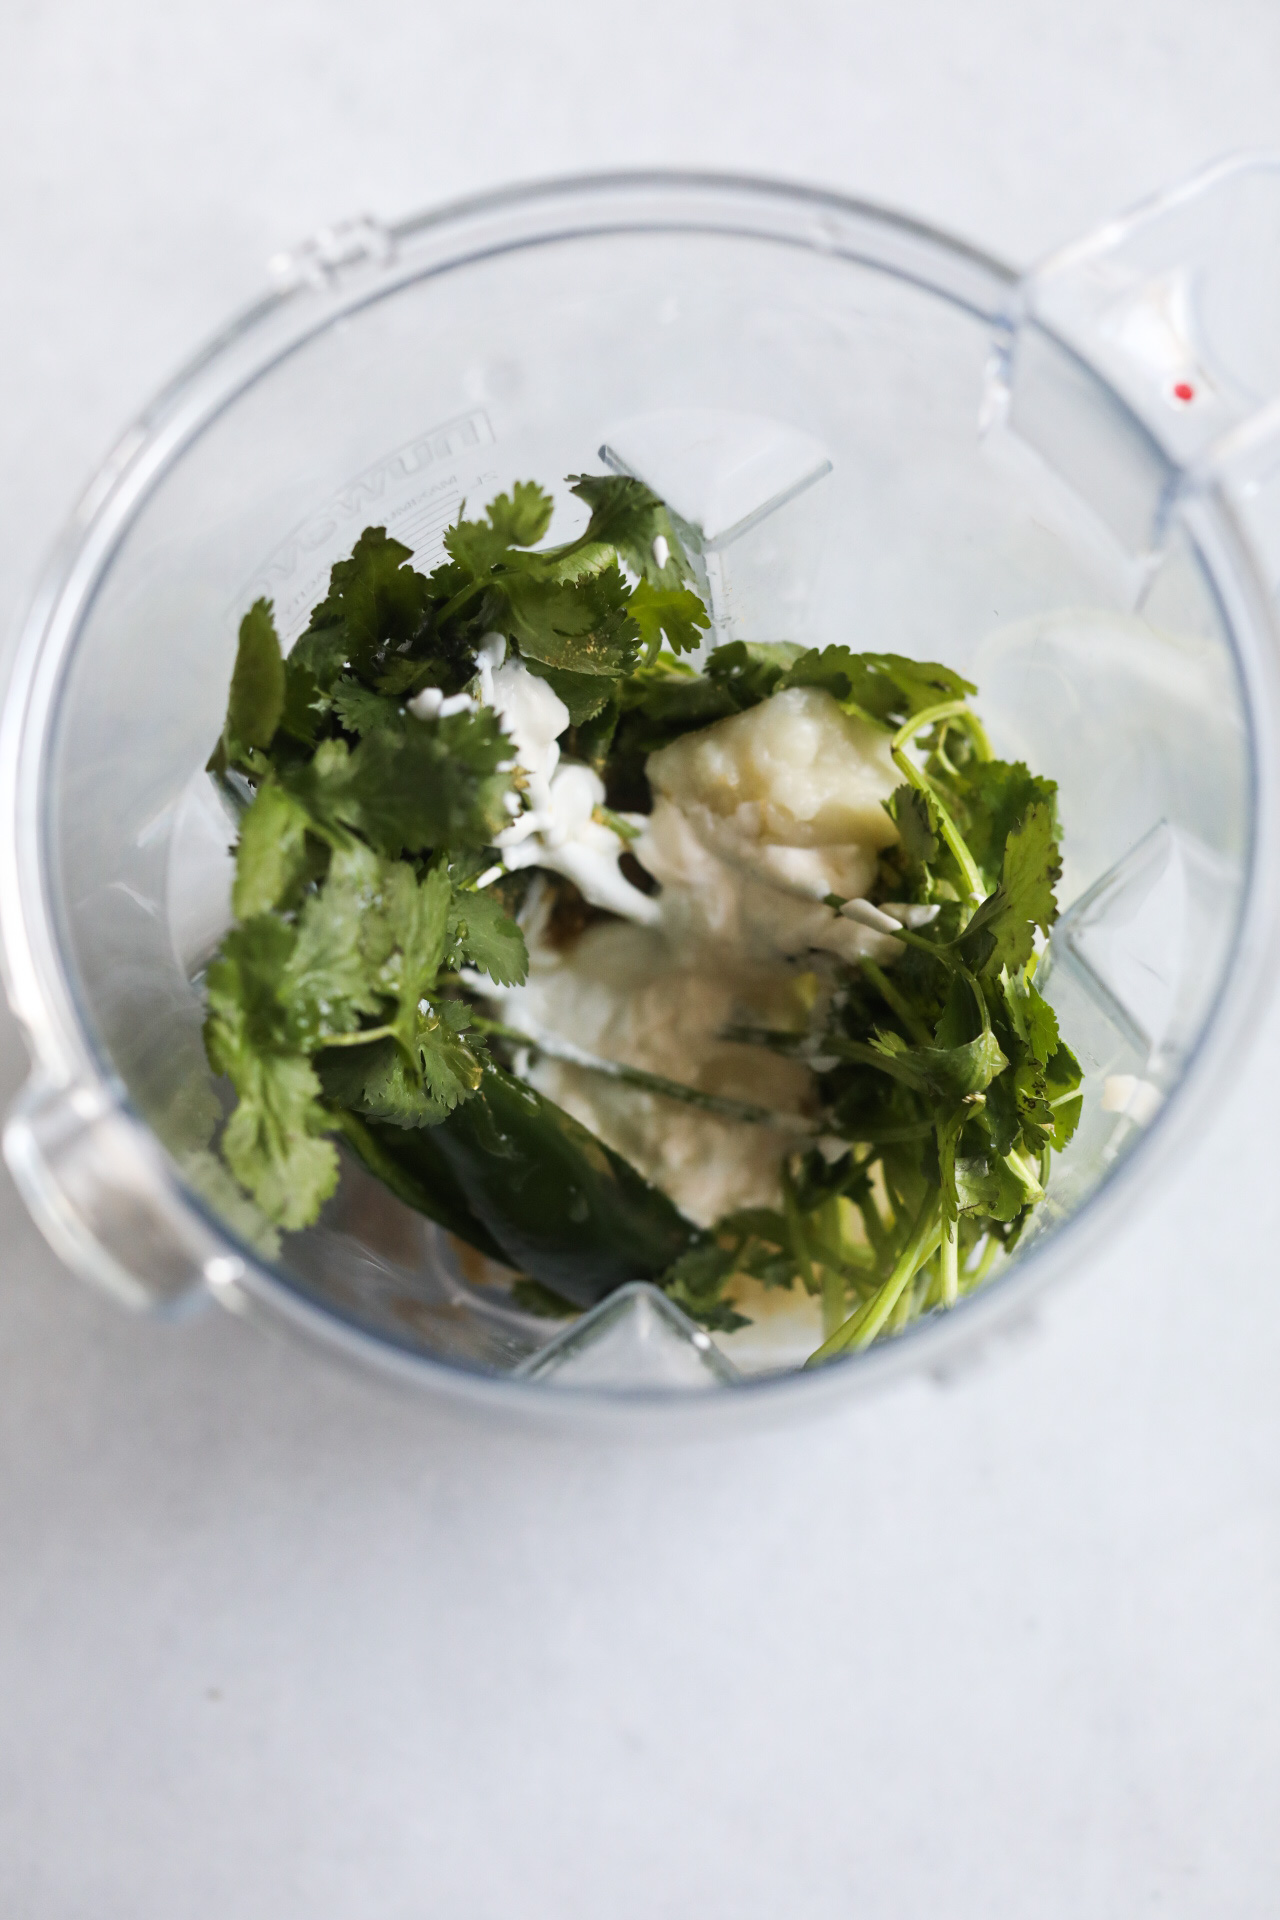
(1184, 391)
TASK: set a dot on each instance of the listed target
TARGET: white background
(275, 1643)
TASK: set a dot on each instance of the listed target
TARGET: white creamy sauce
(558, 827)
(756, 819)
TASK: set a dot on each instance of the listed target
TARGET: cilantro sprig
(946, 1076)
(333, 1006)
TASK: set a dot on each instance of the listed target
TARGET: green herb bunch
(367, 887)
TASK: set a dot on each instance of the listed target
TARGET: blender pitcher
(1065, 485)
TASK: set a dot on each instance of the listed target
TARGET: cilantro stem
(952, 709)
(556, 556)
(554, 1048)
(949, 710)
(896, 1065)
(872, 1219)
(1026, 1175)
(949, 1262)
(862, 1327)
(947, 826)
(833, 1299)
(973, 1277)
(826, 1236)
(796, 1233)
(880, 980)
(775, 1039)
(360, 1039)
(615, 823)
(459, 600)
(929, 717)
(931, 1293)
(930, 947)
(905, 1309)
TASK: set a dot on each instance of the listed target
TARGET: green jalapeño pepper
(514, 1174)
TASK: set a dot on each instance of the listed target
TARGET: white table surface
(276, 1643)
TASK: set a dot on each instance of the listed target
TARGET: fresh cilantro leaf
(985, 1184)
(321, 653)
(272, 855)
(451, 1065)
(916, 818)
(964, 1014)
(1062, 1072)
(591, 739)
(755, 1223)
(675, 614)
(585, 694)
(1066, 1118)
(379, 1082)
(476, 546)
(695, 1282)
(375, 600)
(1003, 1115)
(435, 783)
(666, 698)
(1061, 1078)
(304, 704)
(257, 683)
(989, 798)
(406, 673)
(395, 945)
(750, 670)
(1033, 1018)
(212, 1180)
(326, 983)
(272, 1140)
(1002, 931)
(948, 1073)
(515, 520)
(628, 518)
(415, 918)
(360, 710)
(960, 1064)
(583, 626)
(242, 990)
(886, 687)
(521, 517)
(488, 939)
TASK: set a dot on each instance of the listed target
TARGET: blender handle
(1142, 362)
(98, 1187)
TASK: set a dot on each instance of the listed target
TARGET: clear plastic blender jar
(1063, 485)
